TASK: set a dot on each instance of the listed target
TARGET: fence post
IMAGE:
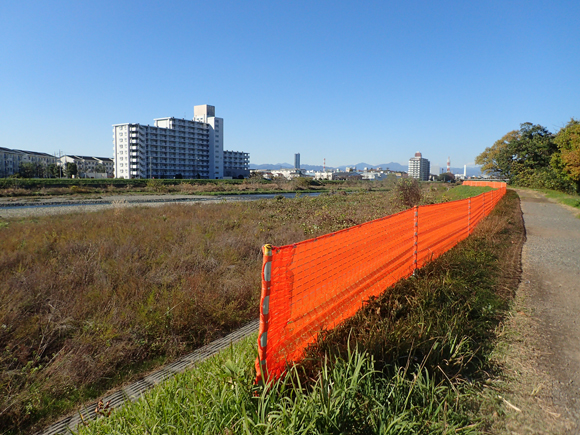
(416, 244)
(469, 216)
(261, 369)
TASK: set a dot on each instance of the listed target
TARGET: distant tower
(324, 165)
(448, 165)
(297, 161)
(465, 171)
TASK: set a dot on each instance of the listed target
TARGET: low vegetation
(88, 301)
(564, 198)
(10, 187)
(415, 360)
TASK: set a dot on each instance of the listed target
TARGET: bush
(301, 183)
(544, 178)
(408, 192)
(155, 185)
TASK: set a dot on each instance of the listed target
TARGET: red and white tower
(448, 165)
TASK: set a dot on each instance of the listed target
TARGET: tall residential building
(297, 161)
(419, 167)
(176, 148)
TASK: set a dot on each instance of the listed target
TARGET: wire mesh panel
(314, 285)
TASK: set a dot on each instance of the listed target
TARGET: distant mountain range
(471, 170)
(392, 166)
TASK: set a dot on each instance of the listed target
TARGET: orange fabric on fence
(314, 285)
(441, 227)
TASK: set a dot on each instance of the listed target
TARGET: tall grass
(413, 361)
(349, 396)
(88, 301)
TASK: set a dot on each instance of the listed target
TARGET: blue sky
(346, 81)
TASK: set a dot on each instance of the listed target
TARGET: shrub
(301, 183)
(155, 185)
(408, 192)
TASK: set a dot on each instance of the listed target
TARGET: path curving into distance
(545, 367)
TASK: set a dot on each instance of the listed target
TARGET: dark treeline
(534, 157)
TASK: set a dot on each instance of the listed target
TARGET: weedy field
(416, 360)
(46, 187)
(88, 301)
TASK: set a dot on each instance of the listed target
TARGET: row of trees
(37, 170)
(534, 157)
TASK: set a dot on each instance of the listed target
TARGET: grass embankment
(414, 360)
(88, 301)
(464, 192)
(564, 198)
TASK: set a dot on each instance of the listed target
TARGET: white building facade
(419, 167)
(236, 164)
(10, 160)
(86, 165)
(174, 148)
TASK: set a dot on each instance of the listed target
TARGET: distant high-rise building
(419, 167)
(297, 161)
(177, 148)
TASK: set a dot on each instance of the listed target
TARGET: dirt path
(543, 356)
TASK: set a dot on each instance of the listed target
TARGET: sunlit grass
(564, 198)
(413, 361)
(90, 300)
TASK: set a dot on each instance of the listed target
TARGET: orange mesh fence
(314, 285)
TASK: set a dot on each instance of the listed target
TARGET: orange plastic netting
(316, 284)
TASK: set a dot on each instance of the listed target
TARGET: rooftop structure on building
(177, 148)
(419, 167)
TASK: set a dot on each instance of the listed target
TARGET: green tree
(70, 169)
(567, 159)
(496, 160)
(53, 171)
(519, 155)
(100, 169)
(534, 149)
(447, 176)
(27, 170)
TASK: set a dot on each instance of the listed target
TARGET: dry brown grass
(87, 299)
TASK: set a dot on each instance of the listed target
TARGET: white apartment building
(86, 165)
(176, 148)
(236, 164)
(11, 159)
(419, 167)
(9, 162)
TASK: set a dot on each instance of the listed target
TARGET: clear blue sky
(350, 81)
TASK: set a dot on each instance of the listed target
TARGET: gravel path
(550, 288)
